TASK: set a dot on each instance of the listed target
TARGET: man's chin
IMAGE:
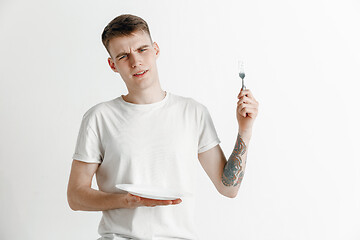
(142, 84)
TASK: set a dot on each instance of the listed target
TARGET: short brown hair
(123, 25)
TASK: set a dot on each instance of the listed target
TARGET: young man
(152, 137)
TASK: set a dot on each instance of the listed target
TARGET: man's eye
(143, 50)
(122, 57)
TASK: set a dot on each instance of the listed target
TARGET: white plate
(150, 192)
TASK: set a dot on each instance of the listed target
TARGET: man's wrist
(245, 134)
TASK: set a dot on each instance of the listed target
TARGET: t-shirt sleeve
(88, 145)
(208, 137)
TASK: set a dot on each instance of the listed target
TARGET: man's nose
(135, 60)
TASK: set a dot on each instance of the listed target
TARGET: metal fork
(241, 73)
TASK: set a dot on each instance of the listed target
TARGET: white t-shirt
(154, 144)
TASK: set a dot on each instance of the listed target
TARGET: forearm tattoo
(233, 171)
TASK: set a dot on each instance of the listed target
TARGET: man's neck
(145, 97)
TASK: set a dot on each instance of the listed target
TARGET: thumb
(134, 198)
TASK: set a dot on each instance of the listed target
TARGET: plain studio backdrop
(302, 61)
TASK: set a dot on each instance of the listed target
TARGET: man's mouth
(139, 74)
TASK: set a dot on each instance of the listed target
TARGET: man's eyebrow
(123, 53)
(143, 46)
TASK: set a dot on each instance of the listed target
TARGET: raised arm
(82, 197)
(227, 175)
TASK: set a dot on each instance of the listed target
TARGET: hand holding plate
(133, 201)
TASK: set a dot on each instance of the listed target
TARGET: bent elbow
(72, 205)
(71, 202)
(230, 193)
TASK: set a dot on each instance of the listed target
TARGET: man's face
(132, 55)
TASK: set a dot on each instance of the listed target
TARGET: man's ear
(112, 64)
(157, 49)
